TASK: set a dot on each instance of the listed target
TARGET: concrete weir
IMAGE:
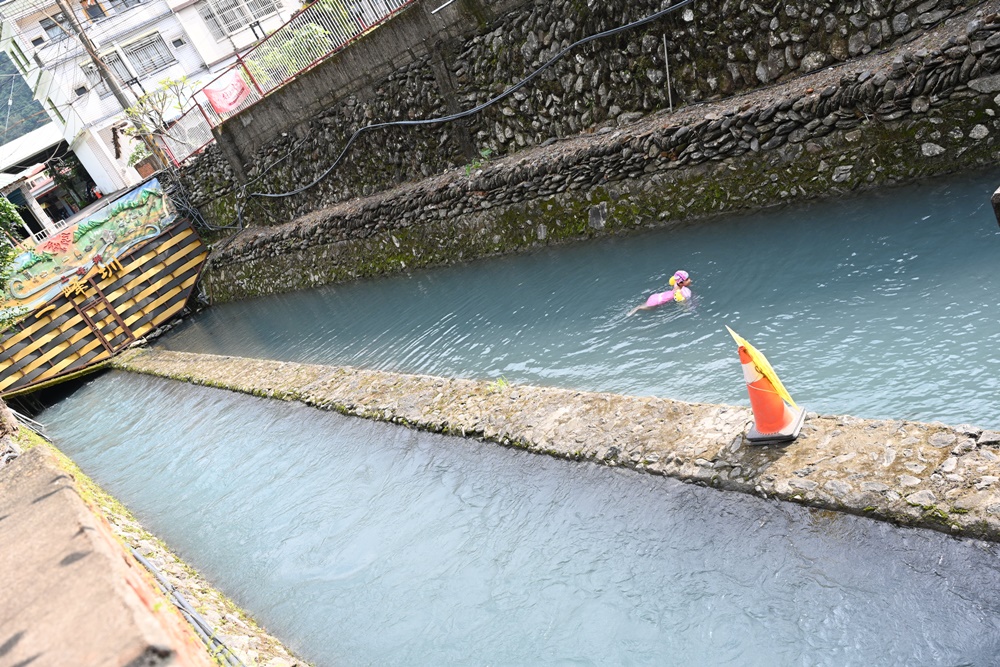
(916, 474)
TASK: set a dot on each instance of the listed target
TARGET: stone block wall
(924, 110)
(712, 49)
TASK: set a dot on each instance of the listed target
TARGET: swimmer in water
(680, 283)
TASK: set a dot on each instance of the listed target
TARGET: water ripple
(365, 543)
(882, 305)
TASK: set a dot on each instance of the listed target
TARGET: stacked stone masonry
(714, 50)
(926, 108)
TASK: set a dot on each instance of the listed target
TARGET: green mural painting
(39, 273)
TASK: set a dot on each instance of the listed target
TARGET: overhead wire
(10, 103)
(243, 196)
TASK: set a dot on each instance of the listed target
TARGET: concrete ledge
(917, 474)
(71, 595)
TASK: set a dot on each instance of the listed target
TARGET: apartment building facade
(142, 42)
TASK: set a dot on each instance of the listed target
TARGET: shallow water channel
(361, 543)
(879, 305)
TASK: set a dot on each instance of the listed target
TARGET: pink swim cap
(680, 276)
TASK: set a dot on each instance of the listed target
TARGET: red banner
(227, 92)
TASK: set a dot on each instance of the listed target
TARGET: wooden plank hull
(102, 311)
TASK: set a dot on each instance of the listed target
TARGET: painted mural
(56, 264)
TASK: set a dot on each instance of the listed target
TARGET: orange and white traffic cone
(774, 419)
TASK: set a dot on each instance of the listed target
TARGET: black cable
(216, 646)
(243, 196)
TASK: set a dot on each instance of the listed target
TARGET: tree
(10, 220)
(69, 174)
(152, 113)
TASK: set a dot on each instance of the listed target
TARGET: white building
(142, 42)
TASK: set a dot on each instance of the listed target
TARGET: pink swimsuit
(661, 298)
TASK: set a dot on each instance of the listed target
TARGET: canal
(880, 305)
(361, 543)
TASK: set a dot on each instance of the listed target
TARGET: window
(115, 63)
(93, 9)
(231, 14)
(117, 66)
(225, 17)
(208, 16)
(82, 90)
(148, 55)
(38, 41)
(261, 8)
(94, 78)
(122, 5)
(136, 60)
(53, 26)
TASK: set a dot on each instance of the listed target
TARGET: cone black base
(786, 434)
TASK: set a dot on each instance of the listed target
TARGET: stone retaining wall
(712, 50)
(927, 475)
(882, 119)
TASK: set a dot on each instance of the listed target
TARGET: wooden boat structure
(95, 287)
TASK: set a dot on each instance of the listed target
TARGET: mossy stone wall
(712, 50)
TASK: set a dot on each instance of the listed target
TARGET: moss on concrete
(226, 616)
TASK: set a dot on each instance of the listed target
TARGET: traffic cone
(774, 419)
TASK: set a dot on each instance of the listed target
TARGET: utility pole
(88, 46)
(109, 77)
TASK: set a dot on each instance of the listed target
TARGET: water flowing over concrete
(927, 475)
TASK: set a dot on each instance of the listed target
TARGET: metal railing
(307, 39)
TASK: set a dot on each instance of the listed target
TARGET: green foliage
(477, 164)
(9, 221)
(150, 115)
(499, 385)
(151, 111)
(337, 10)
(139, 153)
(274, 60)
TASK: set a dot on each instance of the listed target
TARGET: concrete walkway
(917, 474)
(71, 595)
